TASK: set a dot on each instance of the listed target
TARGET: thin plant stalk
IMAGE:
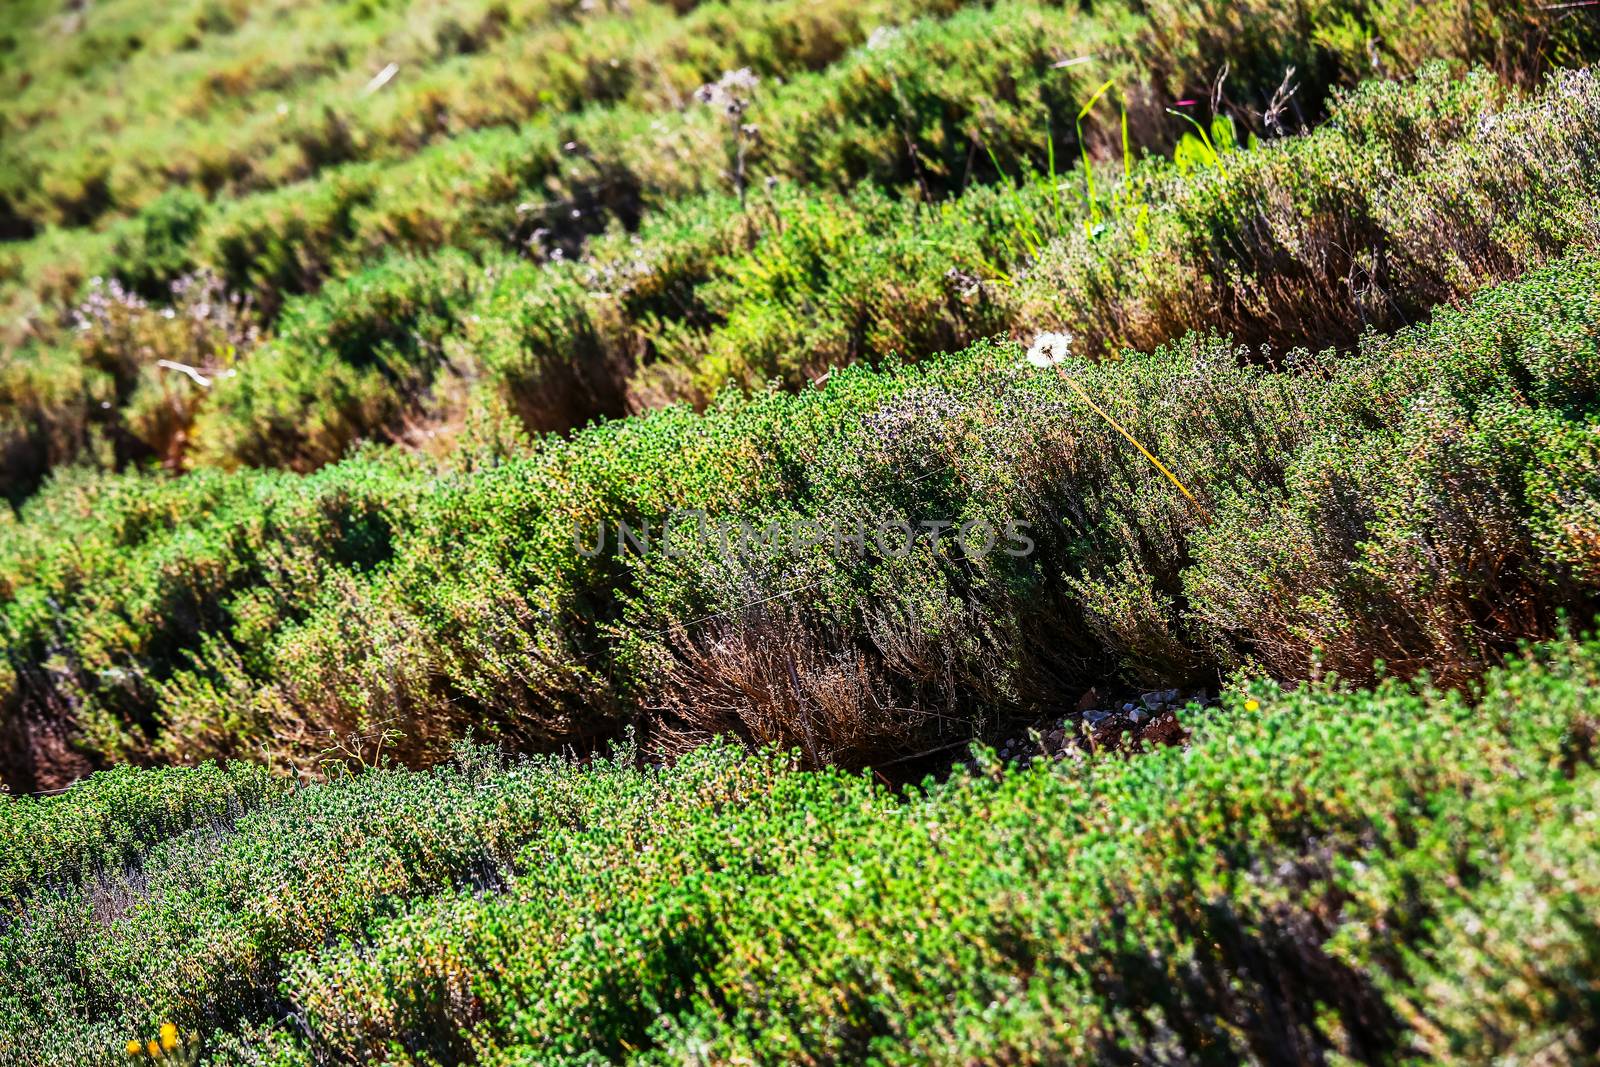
(1032, 237)
(1055, 185)
(1134, 441)
(1205, 138)
(1088, 167)
(1128, 197)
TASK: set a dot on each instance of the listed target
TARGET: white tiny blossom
(742, 80)
(731, 93)
(882, 38)
(1050, 349)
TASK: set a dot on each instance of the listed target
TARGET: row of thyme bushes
(1305, 240)
(225, 104)
(110, 106)
(911, 112)
(1400, 875)
(1428, 499)
(1308, 240)
(982, 71)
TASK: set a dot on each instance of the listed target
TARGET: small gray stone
(1095, 718)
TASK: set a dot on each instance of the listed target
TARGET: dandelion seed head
(1049, 349)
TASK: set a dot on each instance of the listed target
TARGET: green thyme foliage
(1278, 244)
(113, 820)
(229, 99)
(342, 367)
(501, 184)
(335, 330)
(732, 907)
(1421, 500)
(186, 555)
(941, 102)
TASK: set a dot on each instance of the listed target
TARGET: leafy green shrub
(344, 365)
(1410, 197)
(1388, 505)
(229, 109)
(192, 559)
(158, 248)
(1276, 245)
(114, 817)
(126, 382)
(1319, 873)
(1404, 502)
(829, 284)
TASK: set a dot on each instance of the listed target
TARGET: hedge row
(225, 100)
(1400, 875)
(1428, 499)
(1306, 240)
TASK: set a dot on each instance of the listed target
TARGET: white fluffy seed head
(1049, 349)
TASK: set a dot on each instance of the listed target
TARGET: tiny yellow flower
(154, 1048)
(134, 1048)
(1252, 705)
(169, 1036)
